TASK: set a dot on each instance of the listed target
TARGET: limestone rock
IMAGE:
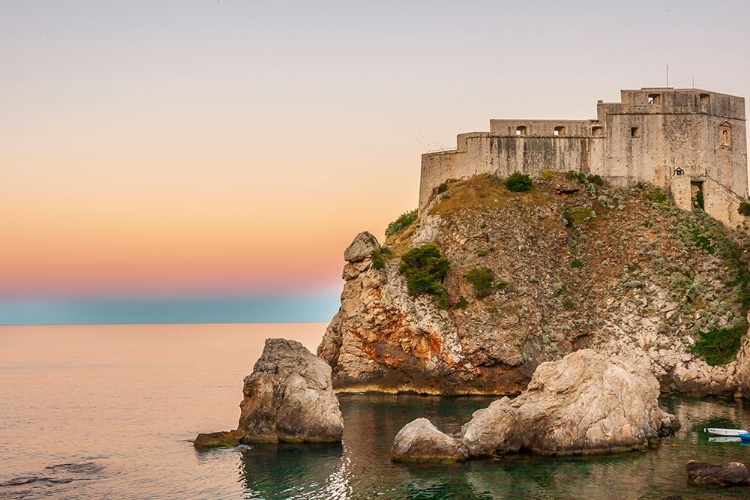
(289, 397)
(570, 271)
(218, 439)
(361, 248)
(731, 474)
(585, 403)
(420, 441)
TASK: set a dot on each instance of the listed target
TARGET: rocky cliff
(533, 276)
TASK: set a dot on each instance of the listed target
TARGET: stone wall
(675, 139)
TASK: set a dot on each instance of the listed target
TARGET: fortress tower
(686, 141)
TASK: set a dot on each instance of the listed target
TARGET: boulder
(420, 441)
(289, 397)
(361, 248)
(218, 439)
(585, 403)
(731, 474)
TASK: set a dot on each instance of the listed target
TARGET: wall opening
(635, 131)
(559, 131)
(597, 131)
(521, 131)
(725, 134)
(654, 98)
(705, 101)
(696, 195)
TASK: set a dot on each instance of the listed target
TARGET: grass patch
(744, 208)
(481, 278)
(402, 222)
(425, 269)
(518, 182)
(575, 216)
(442, 188)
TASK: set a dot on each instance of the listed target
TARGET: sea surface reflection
(361, 468)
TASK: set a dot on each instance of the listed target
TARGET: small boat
(724, 439)
(716, 431)
(745, 438)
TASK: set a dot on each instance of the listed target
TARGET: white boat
(716, 431)
(724, 439)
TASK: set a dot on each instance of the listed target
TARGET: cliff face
(573, 264)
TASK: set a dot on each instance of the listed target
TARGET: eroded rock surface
(288, 397)
(575, 265)
(420, 441)
(584, 403)
(731, 474)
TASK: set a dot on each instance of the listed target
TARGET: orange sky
(188, 147)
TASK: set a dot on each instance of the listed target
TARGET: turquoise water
(100, 412)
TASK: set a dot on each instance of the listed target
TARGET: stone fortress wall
(683, 140)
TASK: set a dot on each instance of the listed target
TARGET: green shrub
(744, 208)
(654, 195)
(574, 216)
(482, 279)
(595, 179)
(425, 269)
(378, 262)
(402, 222)
(576, 264)
(518, 182)
(461, 303)
(719, 346)
(699, 201)
(442, 188)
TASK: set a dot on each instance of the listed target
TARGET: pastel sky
(219, 148)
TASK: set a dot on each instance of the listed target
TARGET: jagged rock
(420, 441)
(585, 403)
(731, 474)
(361, 248)
(289, 397)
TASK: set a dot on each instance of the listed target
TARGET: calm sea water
(109, 411)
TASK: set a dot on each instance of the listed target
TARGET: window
(654, 98)
(705, 100)
(635, 131)
(521, 131)
(559, 131)
(597, 131)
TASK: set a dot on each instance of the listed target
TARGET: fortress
(686, 141)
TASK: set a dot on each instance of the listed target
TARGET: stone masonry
(686, 141)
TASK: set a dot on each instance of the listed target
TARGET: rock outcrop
(420, 441)
(585, 403)
(288, 397)
(573, 265)
(731, 474)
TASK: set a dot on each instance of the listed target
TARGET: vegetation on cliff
(533, 275)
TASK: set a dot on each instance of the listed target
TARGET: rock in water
(584, 403)
(731, 474)
(420, 441)
(289, 397)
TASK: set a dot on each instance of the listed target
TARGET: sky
(205, 150)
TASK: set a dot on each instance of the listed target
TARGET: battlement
(683, 140)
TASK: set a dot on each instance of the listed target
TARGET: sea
(109, 412)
